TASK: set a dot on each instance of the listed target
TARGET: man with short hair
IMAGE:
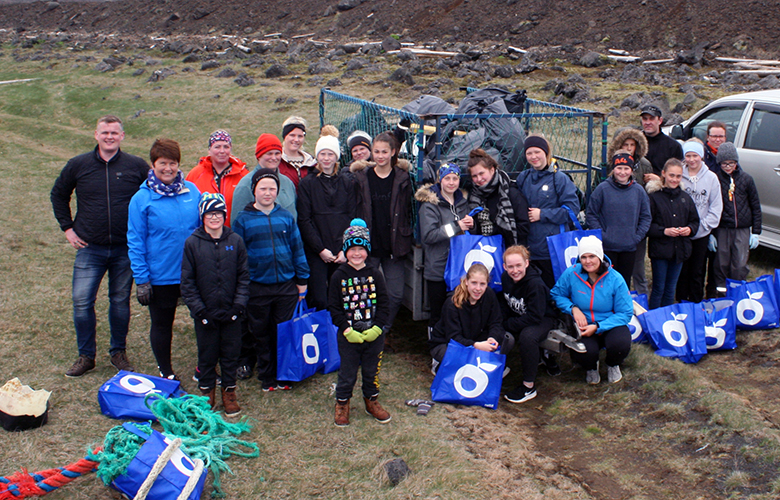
(660, 147)
(716, 135)
(104, 181)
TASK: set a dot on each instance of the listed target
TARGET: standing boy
(215, 286)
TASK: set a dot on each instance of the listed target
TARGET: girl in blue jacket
(597, 297)
(162, 214)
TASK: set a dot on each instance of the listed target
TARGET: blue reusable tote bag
(334, 359)
(755, 303)
(677, 331)
(563, 246)
(469, 376)
(466, 249)
(635, 326)
(125, 394)
(720, 327)
(302, 343)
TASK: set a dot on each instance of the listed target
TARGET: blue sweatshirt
(622, 212)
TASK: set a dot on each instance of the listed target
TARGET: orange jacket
(203, 177)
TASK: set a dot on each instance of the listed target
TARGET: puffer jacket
(400, 203)
(670, 208)
(214, 275)
(326, 205)
(203, 177)
(742, 208)
(438, 224)
(606, 302)
(622, 212)
(642, 165)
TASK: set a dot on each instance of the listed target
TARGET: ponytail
(461, 293)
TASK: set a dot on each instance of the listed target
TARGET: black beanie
(263, 173)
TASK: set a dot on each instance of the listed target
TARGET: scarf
(505, 218)
(163, 189)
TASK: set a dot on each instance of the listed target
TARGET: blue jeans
(665, 275)
(90, 266)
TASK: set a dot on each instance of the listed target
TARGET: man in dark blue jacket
(104, 181)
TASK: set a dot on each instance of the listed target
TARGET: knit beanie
(211, 202)
(446, 169)
(266, 143)
(264, 173)
(534, 141)
(592, 245)
(329, 139)
(727, 152)
(357, 235)
(219, 135)
(621, 157)
(693, 147)
(291, 124)
(358, 138)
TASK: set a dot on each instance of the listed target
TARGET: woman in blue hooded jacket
(546, 190)
(597, 297)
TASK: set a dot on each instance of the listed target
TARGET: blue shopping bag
(173, 477)
(466, 249)
(124, 395)
(720, 327)
(638, 334)
(302, 343)
(677, 331)
(755, 303)
(563, 246)
(333, 362)
(469, 376)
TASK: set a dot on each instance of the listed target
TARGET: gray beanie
(727, 152)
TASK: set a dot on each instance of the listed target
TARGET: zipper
(108, 204)
(592, 292)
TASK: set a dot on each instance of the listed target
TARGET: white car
(753, 125)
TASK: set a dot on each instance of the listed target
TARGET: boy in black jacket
(359, 306)
(215, 286)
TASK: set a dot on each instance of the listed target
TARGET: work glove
(143, 293)
(371, 334)
(753, 241)
(353, 336)
(712, 246)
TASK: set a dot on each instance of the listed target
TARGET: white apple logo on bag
(484, 256)
(138, 384)
(475, 373)
(676, 325)
(750, 304)
(635, 327)
(571, 255)
(309, 340)
(181, 461)
(716, 332)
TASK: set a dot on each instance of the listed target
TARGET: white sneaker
(613, 374)
(434, 367)
(592, 376)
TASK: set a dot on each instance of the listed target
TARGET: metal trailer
(572, 133)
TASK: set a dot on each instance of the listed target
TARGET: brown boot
(230, 402)
(212, 394)
(341, 418)
(374, 409)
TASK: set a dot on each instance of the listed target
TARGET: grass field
(668, 431)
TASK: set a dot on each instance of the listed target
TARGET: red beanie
(266, 143)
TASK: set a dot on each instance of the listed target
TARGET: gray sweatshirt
(704, 189)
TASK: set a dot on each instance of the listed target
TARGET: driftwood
(426, 53)
(515, 49)
(759, 72)
(302, 36)
(762, 62)
(626, 59)
(658, 61)
(619, 52)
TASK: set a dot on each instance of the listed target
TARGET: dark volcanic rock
(320, 67)
(276, 70)
(390, 43)
(402, 75)
(244, 80)
(593, 60)
(209, 65)
(227, 73)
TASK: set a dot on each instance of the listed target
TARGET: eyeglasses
(717, 136)
(214, 215)
(728, 164)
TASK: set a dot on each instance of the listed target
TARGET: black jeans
(366, 356)
(528, 341)
(690, 284)
(437, 294)
(623, 262)
(319, 278)
(218, 342)
(162, 311)
(616, 341)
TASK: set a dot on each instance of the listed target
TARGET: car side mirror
(677, 132)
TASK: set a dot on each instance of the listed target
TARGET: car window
(764, 130)
(728, 114)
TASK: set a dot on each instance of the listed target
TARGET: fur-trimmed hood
(426, 195)
(628, 133)
(654, 186)
(359, 165)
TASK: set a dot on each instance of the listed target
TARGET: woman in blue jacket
(162, 214)
(546, 190)
(597, 297)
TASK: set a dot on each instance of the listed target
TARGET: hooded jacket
(704, 190)
(525, 302)
(214, 275)
(742, 208)
(670, 208)
(157, 228)
(438, 224)
(203, 177)
(243, 195)
(469, 323)
(400, 203)
(295, 175)
(622, 212)
(606, 303)
(549, 191)
(642, 165)
(103, 193)
(326, 205)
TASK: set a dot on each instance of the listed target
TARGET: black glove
(204, 319)
(143, 293)
(236, 313)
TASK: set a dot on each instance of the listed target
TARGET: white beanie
(592, 245)
(693, 147)
(330, 143)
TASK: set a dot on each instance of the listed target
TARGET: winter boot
(374, 409)
(341, 418)
(230, 402)
(212, 394)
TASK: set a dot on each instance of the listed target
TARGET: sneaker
(276, 386)
(613, 374)
(374, 409)
(520, 394)
(196, 376)
(120, 361)
(212, 395)
(172, 376)
(244, 372)
(434, 367)
(80, 367)
(592, 376)
(230, 402)
(551, 364)
(341, 416)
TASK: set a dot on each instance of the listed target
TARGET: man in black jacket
(104, 181)
(660, 147)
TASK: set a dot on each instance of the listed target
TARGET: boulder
(226, 73)
(402, 75)
(593, 60)
(276, 70)
(320, 67)
(191, 58)
(504, 71)
(390, 43)
(103, 67)
(345, 5)
(244, 80)
(356, 63)
(209, 65)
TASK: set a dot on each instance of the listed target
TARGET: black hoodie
(525, 302)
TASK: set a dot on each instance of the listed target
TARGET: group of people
(243, 247)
